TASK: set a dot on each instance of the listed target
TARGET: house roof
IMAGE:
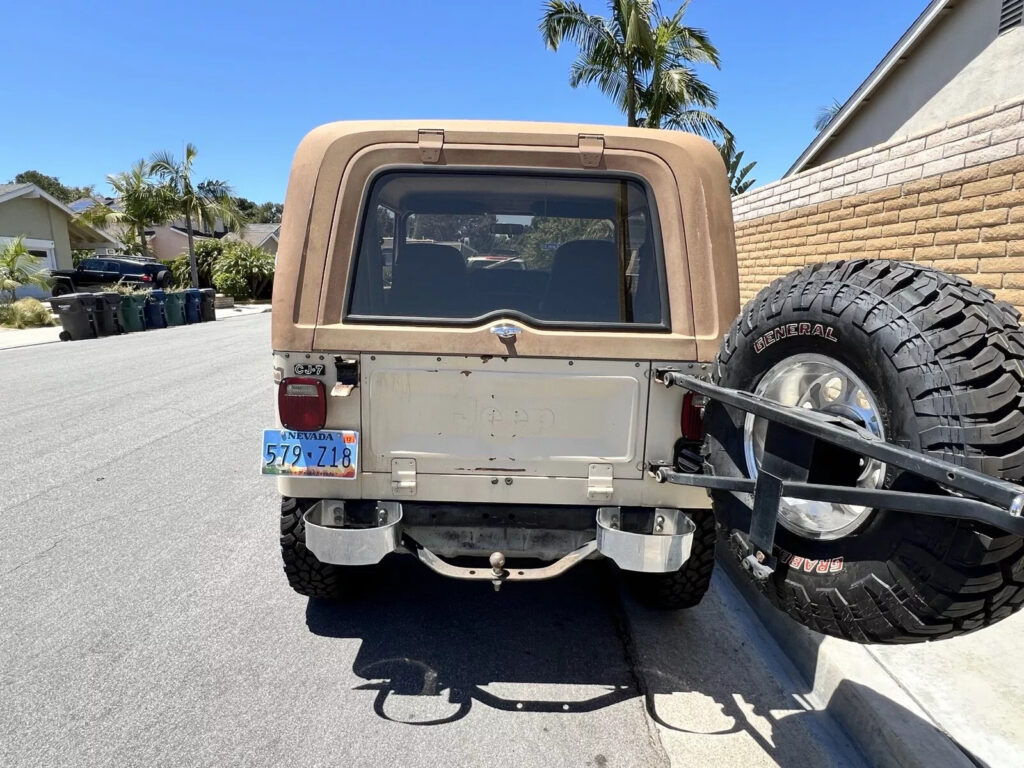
(255, 234)
(87, 232)
(924, 24)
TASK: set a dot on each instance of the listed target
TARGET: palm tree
(675, 96)
(140, 204)
(826, 115)
(207, 203)
(18, 269)
(738, 181)
(641, 60)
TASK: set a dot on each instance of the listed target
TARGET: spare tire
(924, 360)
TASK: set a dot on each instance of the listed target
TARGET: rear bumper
(483, 488)
(659, 544)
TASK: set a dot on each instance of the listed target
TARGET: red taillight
(302, 404)
(691, 418)
(146, 278)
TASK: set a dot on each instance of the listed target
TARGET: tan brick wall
(968, 220)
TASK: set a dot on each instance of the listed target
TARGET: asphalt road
(144, 618)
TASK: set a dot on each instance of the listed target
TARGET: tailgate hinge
(599, 482)
(403, 477)
(430, 141)
(591, 149)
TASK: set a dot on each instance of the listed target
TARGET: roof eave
(891, 60)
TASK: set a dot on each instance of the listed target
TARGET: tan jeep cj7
(504, 348)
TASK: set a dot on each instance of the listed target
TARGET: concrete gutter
(877, 700)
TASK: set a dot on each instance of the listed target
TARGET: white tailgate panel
(503, 415)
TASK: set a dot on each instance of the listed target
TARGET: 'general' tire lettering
(826, 332)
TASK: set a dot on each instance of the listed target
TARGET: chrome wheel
(819, 383)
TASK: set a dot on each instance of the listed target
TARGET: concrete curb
(887, 724)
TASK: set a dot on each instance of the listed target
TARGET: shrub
(244, 271)
(26, 313)
(207, 253)
(231, 284)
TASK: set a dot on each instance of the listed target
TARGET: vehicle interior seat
(584, 283)
(428, 280)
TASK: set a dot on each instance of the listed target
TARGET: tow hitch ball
(497, 560)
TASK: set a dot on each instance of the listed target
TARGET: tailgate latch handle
(347, 369)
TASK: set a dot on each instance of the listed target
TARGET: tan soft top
(335, 163)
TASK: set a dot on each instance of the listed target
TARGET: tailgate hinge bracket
(599, 482)
(430, 142)
(591, 147)
(403, 477)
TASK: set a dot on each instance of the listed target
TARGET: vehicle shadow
(431, 647)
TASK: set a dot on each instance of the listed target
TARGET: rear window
(456, 247)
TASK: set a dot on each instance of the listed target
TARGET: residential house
(50, 229)
(263, 236)
(924, 162)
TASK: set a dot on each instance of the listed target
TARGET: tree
(141, 203)
(826, 115)
(738, 181)
(18, 269)
(641, 60)
(207, 203)
(675, 96)
(260, 213)
(51, 185)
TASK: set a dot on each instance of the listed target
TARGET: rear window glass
(454, 247)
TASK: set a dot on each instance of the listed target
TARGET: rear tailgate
(529, 416)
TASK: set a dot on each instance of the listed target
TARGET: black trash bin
(209, 304)
(77, 313)
(108, 314)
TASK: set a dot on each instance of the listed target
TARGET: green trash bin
(133, 312)
(175, 308)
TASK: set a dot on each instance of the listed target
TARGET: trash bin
(77, 315)
(108, 313)
(133, 312)
(193, 305)
(175, 307)
(209, 297)
(156, 309)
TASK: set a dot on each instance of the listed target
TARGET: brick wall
(952, 198)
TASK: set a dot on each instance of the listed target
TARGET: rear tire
(945, 362)
(686, 587)
(306, 575)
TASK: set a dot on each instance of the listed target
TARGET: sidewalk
(951, 703)
(28, 337)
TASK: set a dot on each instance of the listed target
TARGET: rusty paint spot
(466, 373)
(485, 358)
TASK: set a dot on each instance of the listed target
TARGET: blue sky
(102, 84)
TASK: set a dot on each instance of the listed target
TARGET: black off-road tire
(306, 575)
(945, 362)
(686, 587)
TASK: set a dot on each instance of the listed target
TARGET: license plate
(325, 453)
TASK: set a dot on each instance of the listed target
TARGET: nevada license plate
(324, 453)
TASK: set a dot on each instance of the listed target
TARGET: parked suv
(856, 425)
(98, 271)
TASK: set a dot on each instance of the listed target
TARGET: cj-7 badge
(827, 332)
(309, 369)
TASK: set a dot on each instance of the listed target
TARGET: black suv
(97, 271)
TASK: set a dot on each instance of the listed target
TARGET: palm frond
(565, 20)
